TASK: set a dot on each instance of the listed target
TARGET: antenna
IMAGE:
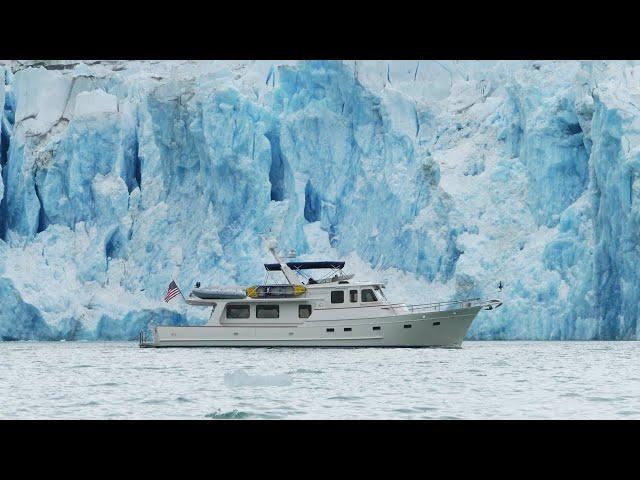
(272, 245)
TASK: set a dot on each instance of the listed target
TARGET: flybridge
(272, 267)
(290, 268)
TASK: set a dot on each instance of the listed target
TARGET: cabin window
(368, 296)
(268, 311)
(304, 311)
(337, 296)
(237, 311)
(353, 296)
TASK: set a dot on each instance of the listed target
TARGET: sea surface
(481, 380)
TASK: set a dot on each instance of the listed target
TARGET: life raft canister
(275, 291)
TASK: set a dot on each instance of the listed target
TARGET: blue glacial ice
(438, 178)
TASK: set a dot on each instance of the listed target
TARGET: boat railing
(449, 305)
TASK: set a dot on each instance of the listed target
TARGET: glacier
(439, 178)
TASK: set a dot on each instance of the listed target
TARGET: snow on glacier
(439, 178)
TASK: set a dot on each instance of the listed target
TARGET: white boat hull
(433, 329)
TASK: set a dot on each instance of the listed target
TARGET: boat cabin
(310, 299)
(318, 303)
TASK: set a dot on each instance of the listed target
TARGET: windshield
(380, 294)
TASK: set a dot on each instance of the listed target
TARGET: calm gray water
(510, 380)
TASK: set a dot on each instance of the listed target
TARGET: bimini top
(304, 265)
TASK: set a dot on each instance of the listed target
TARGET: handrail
(488, 304)
(437, 306)
(450, 302)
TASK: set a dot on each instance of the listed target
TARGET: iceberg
(441, 178)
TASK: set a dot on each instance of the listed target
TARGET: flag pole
(180, 290)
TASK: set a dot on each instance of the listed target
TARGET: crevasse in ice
(438, 178)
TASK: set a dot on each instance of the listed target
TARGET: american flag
(172, 291)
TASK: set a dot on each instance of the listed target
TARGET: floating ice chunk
(240, 378)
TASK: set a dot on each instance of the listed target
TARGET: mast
(288, 273)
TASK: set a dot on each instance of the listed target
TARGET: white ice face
(439, 178)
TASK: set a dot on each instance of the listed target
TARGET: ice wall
(439, 178)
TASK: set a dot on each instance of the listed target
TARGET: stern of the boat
(143, 343)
